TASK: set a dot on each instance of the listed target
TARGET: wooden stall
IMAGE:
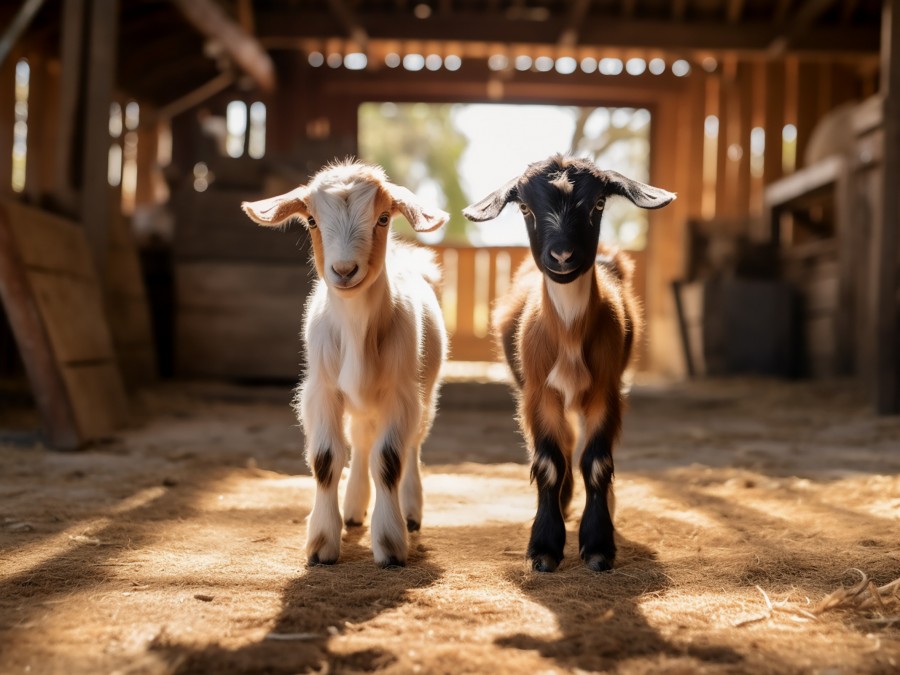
(735, 91)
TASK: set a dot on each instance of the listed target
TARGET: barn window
(236, 128)
(256, 143)
(116, 126)
(20, 129)
(129, 156)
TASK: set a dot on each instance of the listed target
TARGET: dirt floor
(178, 546)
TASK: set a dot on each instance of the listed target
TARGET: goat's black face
(562, 200)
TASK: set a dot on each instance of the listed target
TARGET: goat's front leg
(552, 439)
(596, 537)
(389, 540)
(322, 412)
(411, 499)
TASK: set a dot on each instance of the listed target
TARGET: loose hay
(723, 489)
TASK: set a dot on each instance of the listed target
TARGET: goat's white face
(348, 242)
(347, 208)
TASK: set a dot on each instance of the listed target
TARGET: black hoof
(544, 562)
(352, 523)
(315, 561)
(598, 562)
(393, 562)
(413, 525)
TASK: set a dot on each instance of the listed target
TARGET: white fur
(570, 300)
(547, 468)
(387, 397)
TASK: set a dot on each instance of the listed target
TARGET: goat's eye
(311, 222)
(384, 219)
(523, 207)
(600, 204)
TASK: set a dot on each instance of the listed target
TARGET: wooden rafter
(628, 7)
(246, 52)
(279, 27)
(735, 10)
(245, 16)
(17, 26)
(350, 22)
(848, 9)
(679, 8)
(799, 24)
(579, 9)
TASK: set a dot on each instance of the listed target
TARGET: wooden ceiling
(163, 57)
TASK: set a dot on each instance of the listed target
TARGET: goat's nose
(345, 268)
(561, 257)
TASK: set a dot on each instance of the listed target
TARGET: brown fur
(592, 353)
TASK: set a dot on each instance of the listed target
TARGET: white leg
(411, 500)
(359, 488)
(389, 544)
(326, 451)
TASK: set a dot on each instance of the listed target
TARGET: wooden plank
(807, 105)
(17, 26)
(98, 398)
(47, 241)
(819, 176)
(57, 417)
(211, 226)
(227, 310)
(96, 213)
(886, 237)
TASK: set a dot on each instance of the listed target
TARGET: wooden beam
(628, 7)
(245, 16)
(280, 27)
(887, 238)
(735, 10)
(96, 207)
(19, 24)
(800, 23)
(194, 98)
(848, 9)
(208, 18)
(351, 23)
(569, 36)
(679, 7)
(71, 61)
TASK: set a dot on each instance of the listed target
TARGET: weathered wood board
(53, 301)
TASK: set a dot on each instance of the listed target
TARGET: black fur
(596, 536)
(322, 467)
(390, 466)
(548, 533)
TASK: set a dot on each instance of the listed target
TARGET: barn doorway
(455, 153)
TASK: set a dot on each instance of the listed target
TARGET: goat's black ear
(641, 194)
(491, 206)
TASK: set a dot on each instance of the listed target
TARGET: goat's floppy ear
(421, 218)
(640, 194)
(491, 206)
(277, 210)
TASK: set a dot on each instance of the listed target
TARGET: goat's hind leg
(359, 487)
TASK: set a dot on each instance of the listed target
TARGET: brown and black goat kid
(567, 327)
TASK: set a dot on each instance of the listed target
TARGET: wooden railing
(473, 279)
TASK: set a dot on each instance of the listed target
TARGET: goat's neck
(361, 310)
(570, 301)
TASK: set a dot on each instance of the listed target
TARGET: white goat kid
(375, 342)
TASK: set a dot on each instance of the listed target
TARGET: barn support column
(887, 316)
(96, 206)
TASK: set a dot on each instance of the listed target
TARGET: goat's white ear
(274, 211)
(421, 218)
(491, 206)
(640, 194)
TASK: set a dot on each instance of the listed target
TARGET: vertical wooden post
(7, 120)
(71, 61)
(102, 21)
(887, 375)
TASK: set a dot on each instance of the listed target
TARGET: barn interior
(154, 490)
